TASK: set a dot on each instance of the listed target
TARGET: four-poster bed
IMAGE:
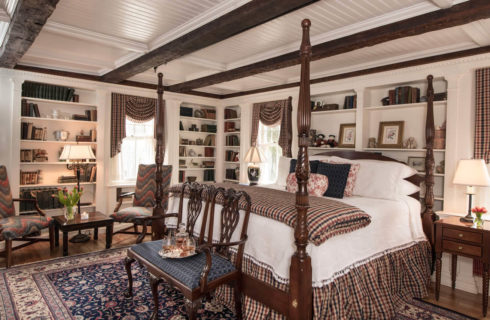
(298, 299)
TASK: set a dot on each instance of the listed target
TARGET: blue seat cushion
(19, 226)
(131, 213)
(185, 270)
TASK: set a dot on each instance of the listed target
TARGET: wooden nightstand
(462, 239)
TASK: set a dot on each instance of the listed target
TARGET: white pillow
(379, 179)
(407, 188)
(314, 157)
(283, 171)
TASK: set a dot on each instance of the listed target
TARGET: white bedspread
(394, 225)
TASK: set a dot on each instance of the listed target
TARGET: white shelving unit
(232, 125)
(194, 134)
(54, 115)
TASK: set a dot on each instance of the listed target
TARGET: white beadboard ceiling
(95, 37)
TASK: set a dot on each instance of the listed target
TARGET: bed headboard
(359, 155)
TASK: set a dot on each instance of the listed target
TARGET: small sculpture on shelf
(410, 143)
(320, 140)
(372, 142)
(331, 143)
(440, 167)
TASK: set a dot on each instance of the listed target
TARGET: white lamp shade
(472, 172)
(253, 155)
(77, 152)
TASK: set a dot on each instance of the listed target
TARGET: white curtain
(267, 142)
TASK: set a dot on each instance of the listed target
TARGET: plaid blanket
(326, 217)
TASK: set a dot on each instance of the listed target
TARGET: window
(267, 141)
(137, 148)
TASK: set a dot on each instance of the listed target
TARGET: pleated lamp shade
(77, 152)
(253, 155)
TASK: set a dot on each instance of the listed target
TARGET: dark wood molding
(252, 14)
(27, 21)
(441, 19)
(388, 67)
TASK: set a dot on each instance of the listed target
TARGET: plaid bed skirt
(368, 290)
(326, 217)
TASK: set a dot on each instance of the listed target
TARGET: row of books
(29, 109)
(350, 102)
(30, 177)
(231, 114)
(30, 132)
(47, 91)
(209, 128)
(232, 174)
(231, 156)
(232, 140)
(198, 113)
(44, 198)
(33, 155)
(230, 127)
(208, 175)
(181, 176)
(210, 140)
(90, 115)
(92, 137)
(404, 94)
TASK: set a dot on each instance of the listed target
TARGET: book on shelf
(33, 155)
(209, 113)
(44, 197)
(403, 95)
(209, 152)
(230, 126)
(29, 177)
(82, 138)
(181, 176)
(210, 140)
(67, 179)
(208, 175)
(232, 140)
(232, 174)
(30, 132)
(29, 109)
(231, 114)
(208, 164)
(185, 111)
(350, 102)
(209, 128)
(47, 91)
(231, 156)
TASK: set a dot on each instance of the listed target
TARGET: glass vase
(478, 220)
(69, 212)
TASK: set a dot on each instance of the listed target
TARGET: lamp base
(468, 219)
(80, 238)
(253, 175)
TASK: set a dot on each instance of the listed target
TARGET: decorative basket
(440, 139)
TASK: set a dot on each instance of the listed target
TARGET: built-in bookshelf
(197, 143)
(52, 116)
(232, 117)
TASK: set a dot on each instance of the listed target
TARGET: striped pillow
(317, 184)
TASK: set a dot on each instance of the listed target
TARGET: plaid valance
(482, 115)
(138, 109)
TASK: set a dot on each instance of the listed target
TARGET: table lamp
(76, 157)
(471, 173)
(253, 157)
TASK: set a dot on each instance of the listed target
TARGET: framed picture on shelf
(390, 134)
(418, 163)
(347, 135)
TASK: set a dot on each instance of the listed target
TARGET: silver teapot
(61, 135)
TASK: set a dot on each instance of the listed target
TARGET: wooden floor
(457, 300)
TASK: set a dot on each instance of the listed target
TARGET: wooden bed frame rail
(297, 303)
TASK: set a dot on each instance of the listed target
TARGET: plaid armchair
(143, 200)
(14, 227)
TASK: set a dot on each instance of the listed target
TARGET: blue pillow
(337, 175)
(313, 166)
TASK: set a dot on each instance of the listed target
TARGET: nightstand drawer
(462, 235)
(461, 248)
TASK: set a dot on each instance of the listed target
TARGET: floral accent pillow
(317, 184)
(351, 178)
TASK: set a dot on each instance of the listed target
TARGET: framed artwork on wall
(390, 134)
(347, 135)
(418, 163)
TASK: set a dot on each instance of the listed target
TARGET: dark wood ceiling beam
(27, 21)
(250, 15)
(441, 19)
(358, 73)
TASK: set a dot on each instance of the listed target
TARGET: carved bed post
(428, 216)
(158, 225)
(300, 295)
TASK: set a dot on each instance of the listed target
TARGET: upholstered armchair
(143, 200)
(19, 227)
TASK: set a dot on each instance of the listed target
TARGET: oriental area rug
(91, 286)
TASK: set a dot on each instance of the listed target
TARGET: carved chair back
(235, 207)
(7, 208)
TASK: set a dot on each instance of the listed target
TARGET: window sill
(121, 184)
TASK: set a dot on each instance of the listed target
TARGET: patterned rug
(90, 286)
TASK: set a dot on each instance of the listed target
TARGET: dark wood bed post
(158, 225)
(300, 276)
(429, 216)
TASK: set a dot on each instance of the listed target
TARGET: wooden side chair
(199, 275)
(143, 200)
(19, 227)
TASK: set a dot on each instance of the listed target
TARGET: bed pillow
(337, 175)
(317, 184)
(313, 166)
(351, 179)
(283, 171)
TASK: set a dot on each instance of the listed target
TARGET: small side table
(462, 239)
(95, 220)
